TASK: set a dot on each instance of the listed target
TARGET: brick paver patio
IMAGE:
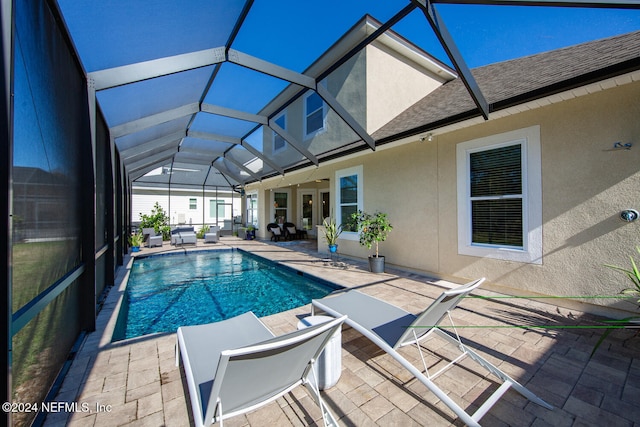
(136, 382)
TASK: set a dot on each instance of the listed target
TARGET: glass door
(325, 208)
(306, 214)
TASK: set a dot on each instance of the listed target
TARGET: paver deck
(136, 382)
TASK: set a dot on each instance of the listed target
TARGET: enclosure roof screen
(224, 93)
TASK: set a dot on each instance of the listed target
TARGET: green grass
(40, 348)
(36, 266)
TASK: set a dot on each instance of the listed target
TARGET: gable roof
(517, 81)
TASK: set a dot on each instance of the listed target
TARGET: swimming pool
(172, 290)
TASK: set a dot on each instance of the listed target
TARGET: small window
(349, 193)
(279, 143)
(500, 196)
(252, 209)
(193, 204)
(314, 113)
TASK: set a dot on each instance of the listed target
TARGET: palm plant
(136, 240)
(634, 275)
(331, 231)
(633, 292)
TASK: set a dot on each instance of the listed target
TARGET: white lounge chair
(390, 327)
(237, 365)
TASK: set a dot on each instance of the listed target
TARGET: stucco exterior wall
(586, 183)
(363, 88)
(347, 84)
(387, 97)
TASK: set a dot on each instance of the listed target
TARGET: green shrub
(158, 220)
(373, 228)
(203, 230)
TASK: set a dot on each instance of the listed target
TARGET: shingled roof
(508, 83)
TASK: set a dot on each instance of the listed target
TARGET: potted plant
(251, 232)
(136, 240)
(373, 230)
(331, 233)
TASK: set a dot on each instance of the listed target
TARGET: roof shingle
(517, 81)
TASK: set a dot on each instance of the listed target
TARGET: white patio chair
(238, 365)
(151, 238)
(390, 327)
(212, 236)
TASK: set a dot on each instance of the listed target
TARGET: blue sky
(294, 34)
(484, 34)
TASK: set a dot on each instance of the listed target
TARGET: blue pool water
(168, 291)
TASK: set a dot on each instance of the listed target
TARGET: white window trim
(531, 196)
(356, 170)
(274, 135)
(307, 135)
(252, 194)
(272, 210)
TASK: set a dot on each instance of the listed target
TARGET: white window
(500, 196)
(279, 143)
(349, 198)
(217, 209)
(314, 115)
(193, 204)
(252, 209)
(280, 201)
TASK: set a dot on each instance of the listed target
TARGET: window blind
(348, 201)
(496, 196)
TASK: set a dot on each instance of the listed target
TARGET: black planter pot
(376, 264)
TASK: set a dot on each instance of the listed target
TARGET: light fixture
(428, 137)
(620, 145)
(629, 215)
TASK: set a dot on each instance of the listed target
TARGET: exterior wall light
(629, 215)
(428, 137)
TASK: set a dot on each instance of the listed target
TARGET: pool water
(168, 291)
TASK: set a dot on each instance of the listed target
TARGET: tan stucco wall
(586, 183)
(585, 186)
(363, 88)
(347, 84)
(387, 97)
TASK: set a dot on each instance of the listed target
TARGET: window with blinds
(348, 201)
(349, 192)
(496, 196)
(499, 192)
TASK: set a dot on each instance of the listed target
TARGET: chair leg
(467, 351)
(327, 417)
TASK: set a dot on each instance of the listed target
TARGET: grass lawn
(40, 348)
